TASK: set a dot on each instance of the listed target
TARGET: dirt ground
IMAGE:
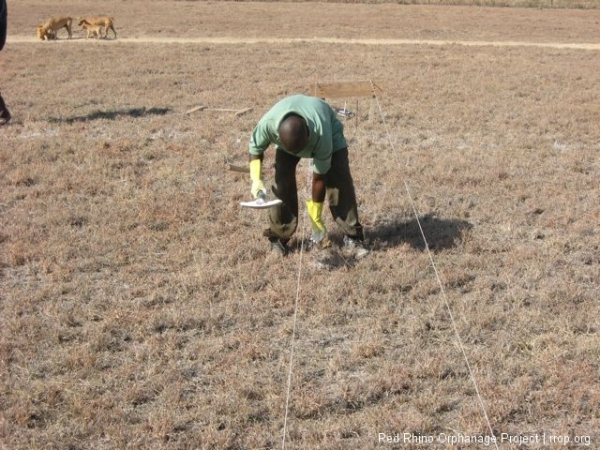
(140, 307)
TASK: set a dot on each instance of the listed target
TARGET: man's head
(293, 133)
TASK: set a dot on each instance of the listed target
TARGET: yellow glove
(255, 175)
(315, 210)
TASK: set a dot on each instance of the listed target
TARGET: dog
(92, 30)
(49, 28)
(45, 34)
(105, 22)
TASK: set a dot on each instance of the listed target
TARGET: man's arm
(319, 183)
(261, 137)
(315, 207)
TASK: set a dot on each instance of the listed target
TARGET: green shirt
(326, 131)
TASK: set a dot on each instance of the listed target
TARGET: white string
(458, 337)
(293, 337)
(442, 290)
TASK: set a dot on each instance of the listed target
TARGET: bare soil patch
(349, 41)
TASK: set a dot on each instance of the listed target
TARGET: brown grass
(138, 308)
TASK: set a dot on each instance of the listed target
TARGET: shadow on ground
(440, 233)
(112, 115)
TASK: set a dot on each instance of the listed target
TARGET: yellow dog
(92, 30)
(105, 22)
(48, 29)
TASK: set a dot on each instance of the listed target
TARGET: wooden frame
(346, 89)
(238, 112)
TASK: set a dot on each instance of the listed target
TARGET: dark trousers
(3, 23)
(341, 197)
(4, 113)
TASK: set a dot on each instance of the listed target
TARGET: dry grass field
(139, 308)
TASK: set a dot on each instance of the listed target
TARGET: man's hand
(315, 211)
(258, 188)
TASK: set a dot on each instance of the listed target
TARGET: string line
(294, 322)
(442, 289)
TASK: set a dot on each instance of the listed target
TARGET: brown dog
(44, 34)
(105, 22)
(48, 29)
(92, 30)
